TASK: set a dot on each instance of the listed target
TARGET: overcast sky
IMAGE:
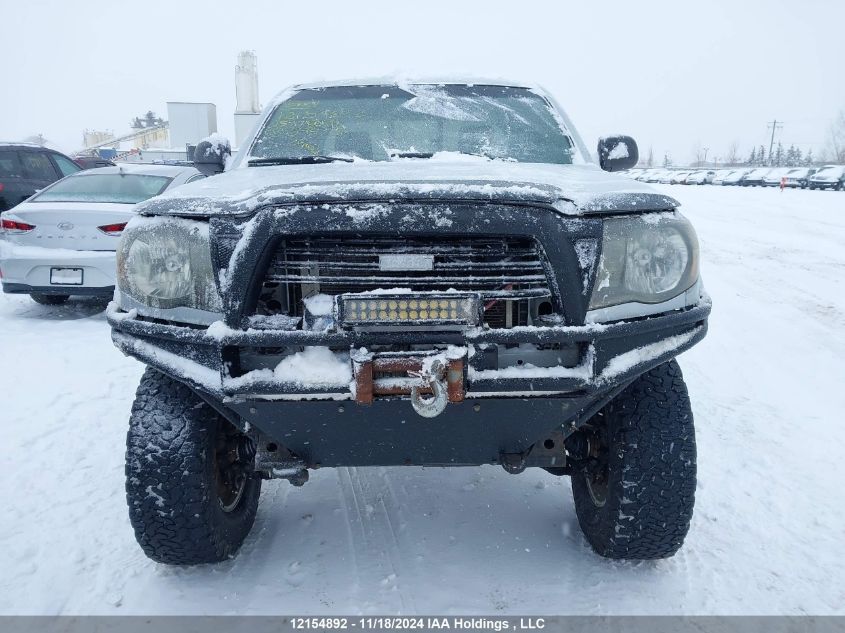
(673, 74)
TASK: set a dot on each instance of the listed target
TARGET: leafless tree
(698, 153)
(732, 157)
(836, 139)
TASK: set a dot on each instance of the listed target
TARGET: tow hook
(431, 381)
(431, 377)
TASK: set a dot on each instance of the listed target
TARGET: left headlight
(166, 263)
(645, 259)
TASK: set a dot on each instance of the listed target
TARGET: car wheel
(49, 300)
(190, 484)
(634, 496)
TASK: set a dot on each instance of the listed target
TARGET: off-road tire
(651, 475)
(49, 300)
(171, 482)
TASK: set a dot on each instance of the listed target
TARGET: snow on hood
(573, 189)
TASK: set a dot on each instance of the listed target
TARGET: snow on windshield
(385, 122)
(117, 188)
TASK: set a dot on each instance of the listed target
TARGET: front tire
(636, 499)
(49, 300)
(190, 485)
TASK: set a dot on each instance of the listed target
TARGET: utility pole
(775, 126)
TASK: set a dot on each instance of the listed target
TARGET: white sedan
(62, 240)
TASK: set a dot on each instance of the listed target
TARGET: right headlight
(645, 259)
(165, 263)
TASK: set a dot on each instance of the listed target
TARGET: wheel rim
(597, 475)
(231, 466)
(597, 486)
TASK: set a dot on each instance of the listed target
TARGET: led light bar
(410, 309)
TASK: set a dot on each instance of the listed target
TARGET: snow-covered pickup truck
(409, 273)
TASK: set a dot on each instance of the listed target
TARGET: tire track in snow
(368, 503)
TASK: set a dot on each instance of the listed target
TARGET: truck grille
(507, 272)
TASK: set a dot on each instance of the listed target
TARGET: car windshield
(829, 171)
(388, 122)
(120, 188)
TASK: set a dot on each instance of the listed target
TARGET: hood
(573, 189)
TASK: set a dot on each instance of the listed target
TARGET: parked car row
(827, 177)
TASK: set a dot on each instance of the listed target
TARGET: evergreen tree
(789, 158)
(650, 160)
(752, 158)
(667, 161)
(809, 161)
(761, 156)
(778, 157)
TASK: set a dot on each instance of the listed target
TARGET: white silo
(247, 107)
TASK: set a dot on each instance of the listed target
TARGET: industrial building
(154, 139)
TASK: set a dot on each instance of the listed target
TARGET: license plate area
(66, 276)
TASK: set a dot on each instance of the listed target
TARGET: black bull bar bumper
(497, 416)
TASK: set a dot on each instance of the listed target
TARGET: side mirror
(617, 153)
(211, 153)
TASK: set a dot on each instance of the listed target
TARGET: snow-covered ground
(768, 536)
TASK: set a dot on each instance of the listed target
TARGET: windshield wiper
(430, 154)
(411, 154)
(296, 160)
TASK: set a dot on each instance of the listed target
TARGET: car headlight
(166, 263)
(645, 259)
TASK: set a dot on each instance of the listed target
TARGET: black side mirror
(617, 153)
(210, 154)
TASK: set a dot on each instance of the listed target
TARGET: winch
(431, 379)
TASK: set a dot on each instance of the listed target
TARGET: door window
(37, 166)
(10, 166)
(66, 166)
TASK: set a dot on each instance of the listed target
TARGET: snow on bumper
(608, 355)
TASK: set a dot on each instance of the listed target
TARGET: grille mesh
(505, 271)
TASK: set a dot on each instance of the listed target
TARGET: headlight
(166, 263)
(644, 260)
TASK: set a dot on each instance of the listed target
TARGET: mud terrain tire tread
(652, 457)
(170, 478)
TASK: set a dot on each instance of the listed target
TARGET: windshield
(120, 188)
(829, 171)
(387, 122)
